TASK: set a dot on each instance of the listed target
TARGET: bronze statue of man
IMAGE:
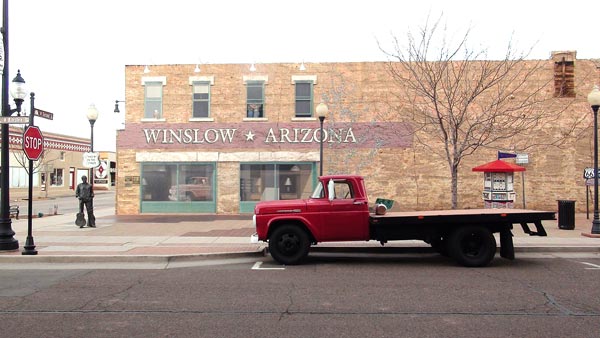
(85, 194)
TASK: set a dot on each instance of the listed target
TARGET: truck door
(348, 214)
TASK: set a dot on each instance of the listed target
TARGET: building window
(564, 74)
(153, 96)
(62, 155)
(304, 99)
(56, 178)
(153, 100)
(200, 99)
(177, 182)
(255, 98)
(265, 182)
(19, 177)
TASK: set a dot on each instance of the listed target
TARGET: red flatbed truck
(338, 210)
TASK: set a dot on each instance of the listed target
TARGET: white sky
(73, 52)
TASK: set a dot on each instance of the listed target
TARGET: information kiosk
(498, 187)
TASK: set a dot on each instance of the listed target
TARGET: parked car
(195, 189)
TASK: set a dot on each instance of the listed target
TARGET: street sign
(522, 159)
(91, 160)
(14, 119)
(588, 173)
(43, 114)
(33, 143)
(102, 170)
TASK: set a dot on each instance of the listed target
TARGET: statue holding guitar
(85, 194)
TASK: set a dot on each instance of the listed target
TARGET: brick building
(221, 138)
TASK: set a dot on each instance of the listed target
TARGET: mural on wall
(261, 135)
(375, 135)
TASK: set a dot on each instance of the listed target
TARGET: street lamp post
(594, 101)
(92, 116)
(322, 110)
(7, 240)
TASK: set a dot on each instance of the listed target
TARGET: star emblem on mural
(249, 135)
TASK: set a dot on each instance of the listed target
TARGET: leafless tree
(42, 163)
(458, 101)
(23, 161)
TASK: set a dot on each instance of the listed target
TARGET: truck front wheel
(472, 246)
(289, 244)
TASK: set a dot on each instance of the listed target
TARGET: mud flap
(507, 249)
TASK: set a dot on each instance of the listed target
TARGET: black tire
(289, 244)
(472, 246)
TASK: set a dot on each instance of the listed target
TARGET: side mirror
(330, 190)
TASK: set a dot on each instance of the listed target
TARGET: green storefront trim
(178, 207)
(247, 207)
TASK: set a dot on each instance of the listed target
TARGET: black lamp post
(92, 115)
(322, 110)
(7, 240)
(594, 101)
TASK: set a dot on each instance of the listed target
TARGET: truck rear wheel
(472, 246)
(289, 244)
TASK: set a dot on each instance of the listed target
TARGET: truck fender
(302, 222)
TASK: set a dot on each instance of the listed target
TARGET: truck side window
(343, 190)
(319, 191)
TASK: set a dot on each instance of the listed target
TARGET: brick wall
(363, 92)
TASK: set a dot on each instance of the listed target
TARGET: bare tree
(457, 101)
(42, 162)
(23, 161)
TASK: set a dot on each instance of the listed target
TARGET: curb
(166, 259)
(154, 259)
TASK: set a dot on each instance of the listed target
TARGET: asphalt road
(340, 296)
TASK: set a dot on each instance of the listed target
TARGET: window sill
(255, 119)
(147, 119)
(202, 119)
(299, 119)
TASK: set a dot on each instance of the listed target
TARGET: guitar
(80, 221)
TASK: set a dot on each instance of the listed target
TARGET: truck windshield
(318, 192)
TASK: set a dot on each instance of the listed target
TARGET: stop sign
(33, 142)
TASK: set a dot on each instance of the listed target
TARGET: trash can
(566, 214)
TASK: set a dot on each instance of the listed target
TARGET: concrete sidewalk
(167, 238)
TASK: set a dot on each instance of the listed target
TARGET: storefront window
(177, 182)
(56, 178)
(195, 184)
(266, 182)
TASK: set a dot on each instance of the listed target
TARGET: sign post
(33, 146)
(522, 159)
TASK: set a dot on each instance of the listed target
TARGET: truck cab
(337, 210)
